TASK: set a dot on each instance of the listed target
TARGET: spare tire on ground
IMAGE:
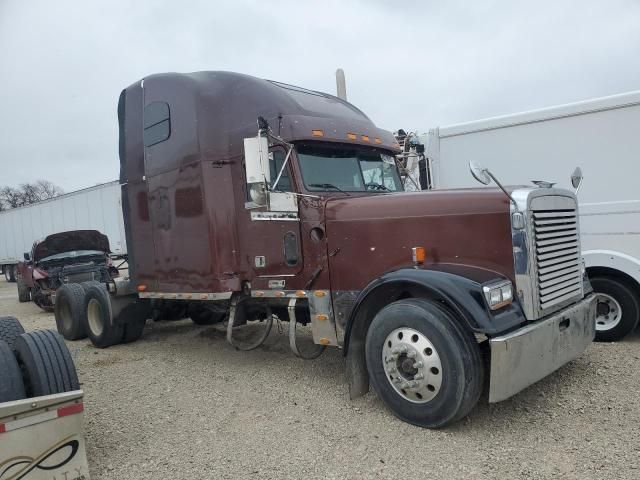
(10, 329)
(11, 384)
(46, 362)
(70, 312)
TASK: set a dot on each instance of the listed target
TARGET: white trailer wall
(602, 136)
(95, 208)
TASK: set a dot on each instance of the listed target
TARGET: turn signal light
(418, 255)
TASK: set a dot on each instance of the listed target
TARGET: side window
(276, 159)
(157, 123)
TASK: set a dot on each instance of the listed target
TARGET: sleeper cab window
(157, 123)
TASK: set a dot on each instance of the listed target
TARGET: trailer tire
(24, 292)
(10, 273)
(99, 323)
(422, 364)
(10, 329)
(617, 310)
(46, 362)
(70, 312)
(11, 383)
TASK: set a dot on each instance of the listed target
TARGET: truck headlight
(498, 295)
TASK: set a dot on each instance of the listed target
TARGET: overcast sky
(409, 64)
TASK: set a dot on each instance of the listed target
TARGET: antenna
(341, 85)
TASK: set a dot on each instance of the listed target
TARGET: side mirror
(27, 257)
(256, 160)
(479, 173)
(576, 178)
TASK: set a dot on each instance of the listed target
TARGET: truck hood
(465, 226)
(70, 241)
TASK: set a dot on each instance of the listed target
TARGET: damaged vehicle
(75, 256)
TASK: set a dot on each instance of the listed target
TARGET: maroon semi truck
(247, 200)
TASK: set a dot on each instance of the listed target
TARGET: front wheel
(617, 309)
(422, 363)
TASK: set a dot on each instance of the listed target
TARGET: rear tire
(436, 374)
(46, 362)
(204, 315)
(10, 329)
(133, 330)
(617, 311)
(11, 384)
(70, 312)
(24, 292)
(99, 323)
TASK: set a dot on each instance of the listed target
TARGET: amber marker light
(317, 133)
(377, 140)
(365, 138)
(142, 288)
(352, 136)
(418, 255)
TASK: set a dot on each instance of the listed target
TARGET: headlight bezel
(498, 294)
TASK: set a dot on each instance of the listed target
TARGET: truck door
(274, 239)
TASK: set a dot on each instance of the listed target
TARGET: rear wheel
(423, 365)
(46, 363)
(70, 311)
(11, 384)
(10, 329)
(617, 309)
(99, 325)
(206, 314)
(24, 292)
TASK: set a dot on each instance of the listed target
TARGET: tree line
(27, 193)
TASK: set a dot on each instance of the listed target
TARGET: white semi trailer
(94, 208)
(599, 135)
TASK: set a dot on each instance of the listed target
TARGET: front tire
(423, 365)
(24, 292)
(617, 311)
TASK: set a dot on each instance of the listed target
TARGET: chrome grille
(557, 256)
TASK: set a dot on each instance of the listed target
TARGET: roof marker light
(352, 136)
(317, 133)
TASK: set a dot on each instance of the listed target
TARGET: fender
(458, 286)
(614, 260)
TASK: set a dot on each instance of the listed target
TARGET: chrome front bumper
(522, 357)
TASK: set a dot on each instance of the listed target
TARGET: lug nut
(418, 376)
(418, 364)
(395, 350)
(411, 354)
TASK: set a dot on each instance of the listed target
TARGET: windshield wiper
(377, 186)
(328, 185)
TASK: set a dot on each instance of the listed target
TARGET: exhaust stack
(341, 85)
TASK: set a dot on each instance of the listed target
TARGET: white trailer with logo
(94, 208)
(599, 135)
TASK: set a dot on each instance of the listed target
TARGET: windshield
(72, 254)
(326, 168)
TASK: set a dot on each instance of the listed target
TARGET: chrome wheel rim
(94, 317)
(412, 365)
(608, 312)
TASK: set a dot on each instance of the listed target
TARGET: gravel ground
(180, 403)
